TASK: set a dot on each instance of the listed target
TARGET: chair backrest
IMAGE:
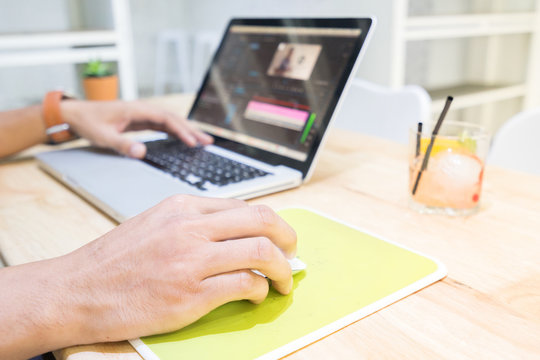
(517, 143)
(380, 111)
(205, 44)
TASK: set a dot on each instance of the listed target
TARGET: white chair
(517, 143)
(380, 111)
(180, 72)
(204, 46)
(191, 54)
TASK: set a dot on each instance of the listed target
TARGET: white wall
(23, 85)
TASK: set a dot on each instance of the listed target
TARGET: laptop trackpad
(126, 185)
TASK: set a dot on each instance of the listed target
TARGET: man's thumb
(137, 150)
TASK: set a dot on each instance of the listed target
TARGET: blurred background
(484, 52)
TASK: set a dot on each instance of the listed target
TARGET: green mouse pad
(350, 274)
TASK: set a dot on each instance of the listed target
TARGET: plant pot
(101, 88)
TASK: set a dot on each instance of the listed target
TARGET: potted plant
(100, 83)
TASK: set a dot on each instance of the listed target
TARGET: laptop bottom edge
(104, 207)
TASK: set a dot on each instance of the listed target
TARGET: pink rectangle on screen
(278, 110)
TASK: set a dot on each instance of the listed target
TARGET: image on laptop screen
(272, 87)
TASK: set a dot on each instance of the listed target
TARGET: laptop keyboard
(196, 166)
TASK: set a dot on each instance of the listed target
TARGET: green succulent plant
(96, 68)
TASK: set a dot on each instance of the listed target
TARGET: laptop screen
(273, 85)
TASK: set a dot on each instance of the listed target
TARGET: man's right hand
(155, 273)
(172, 264)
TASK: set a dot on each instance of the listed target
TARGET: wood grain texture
(488, 307)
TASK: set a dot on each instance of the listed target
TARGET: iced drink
(452, 181)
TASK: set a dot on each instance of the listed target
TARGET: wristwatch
(56, 128)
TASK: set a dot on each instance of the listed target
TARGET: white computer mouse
(296, 264)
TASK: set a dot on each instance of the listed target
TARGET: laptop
(269, 95)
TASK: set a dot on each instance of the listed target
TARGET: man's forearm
(20, 129)
(35, 309)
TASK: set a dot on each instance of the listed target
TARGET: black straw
(432, 141)
(418, 138)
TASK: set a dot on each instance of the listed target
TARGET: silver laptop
(269, 95)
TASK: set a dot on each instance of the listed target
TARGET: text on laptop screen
(270, 87)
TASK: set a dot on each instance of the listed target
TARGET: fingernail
(207, 137)
(137, 150)
(192, 141)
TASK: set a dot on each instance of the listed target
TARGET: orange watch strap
(57, 130)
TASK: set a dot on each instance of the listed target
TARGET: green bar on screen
(308, 127)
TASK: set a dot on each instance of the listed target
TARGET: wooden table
(488, 307)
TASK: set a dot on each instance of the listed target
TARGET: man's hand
(103, 122)
(167, 267)
(155, 273)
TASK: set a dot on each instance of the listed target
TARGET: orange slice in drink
(465, 144)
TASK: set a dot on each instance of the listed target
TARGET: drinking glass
(451, 183)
